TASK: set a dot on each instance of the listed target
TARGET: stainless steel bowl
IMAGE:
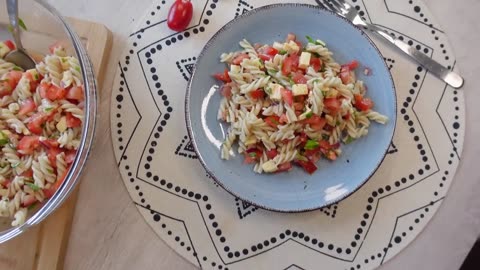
(45, 26)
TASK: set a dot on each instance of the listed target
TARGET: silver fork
(350, 13)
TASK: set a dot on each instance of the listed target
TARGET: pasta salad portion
(287, 103)
(41, 116)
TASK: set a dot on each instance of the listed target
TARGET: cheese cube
(269, 166)
(299, 89)
(276, 91)
(277, 45)
(304, 61)
(62, 124)
(291, 47)
(235, 69)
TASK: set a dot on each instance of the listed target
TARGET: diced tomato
(316, 122)
(271, 154)
(43, 89)
(49, 143)
(257, 94)
(56, 93)
(351, 66)
(331, 155)
(5, 88)
(72, 121)
(332, 104)
(316, 63)
(52, 155)
(347, 116)
(36, 122)
(75, 93)
(223, 76)
(226, 90)
(287, 96)
(346, 76)
(13, 77)
(271, 51)
(299, 98)
(27, 106)
(252, 155)
(299, 78)
(28, 200)
(283, 119)
(308, 166)
(324, 145)
(10, 44)
(302, 139)
(290, 64)
(28, 144)
(363, 103)
(33, 82)
(239, 58)
(284, 167)
(299, 44)
(291, 36)
(272, 121)
(70, 156)
(27, 173)
(265, 57)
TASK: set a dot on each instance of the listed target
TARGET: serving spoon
(19, 57)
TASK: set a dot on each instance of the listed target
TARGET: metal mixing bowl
(46, 26)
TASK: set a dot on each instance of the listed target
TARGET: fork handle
(450, 77)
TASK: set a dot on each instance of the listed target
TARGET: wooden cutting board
(44, 247)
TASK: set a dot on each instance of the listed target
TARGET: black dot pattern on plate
(185, 148)
(330, 211)
(185, 66)
(242, 8)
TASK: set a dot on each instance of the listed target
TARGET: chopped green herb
(349, 140)
(36, 77)
(15, 165)
(3, 142)
(272, 71)
(77, 68)
(311, 144)
(3, 139)
(21, 23)
(310, 40)
(33, 186)
(301, 158)
(49, 170)
(282, 52)
(292, 82)
(253, 154)
(17, 68)
(32, 206)
(268, 90)
(309, 115)
(48, 109)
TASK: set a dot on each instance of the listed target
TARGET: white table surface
(109, 233)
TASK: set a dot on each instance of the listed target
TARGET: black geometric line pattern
(236, 255)
(185, 148)
(243, 7)
(392, 149)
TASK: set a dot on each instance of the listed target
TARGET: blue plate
(296, 190)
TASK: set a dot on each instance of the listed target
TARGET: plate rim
(188, 119)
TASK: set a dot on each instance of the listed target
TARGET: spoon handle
(12, 8)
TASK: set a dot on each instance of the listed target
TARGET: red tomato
(291, 36)
(363, 103)
(56, 93)
(180, 15)
(332, 104)
(27, 173)
(28, 200)
(272, 121)
(347, 116)
(226, 90)
(271, 51)
(70, 156)
(351, 66)
(283, 119)
(5, 88)
(271, 154)
(324, 145)
(239, 58)
(72, 121)
(284, 167)
(316, 63)
(346, 76)
(28, 144)
(33, 82)
(43, 89)
(298, 106)
(36, 122)
(314, 120)
(265, 57)
(290, 64)
(257, 94)
(308, 166)
(299, 78)
(299, 44)
(331, 155)
(252, 155)
(13, 77)
(52, 155)
(223, 76)
(27, 106)
(287, 96)
(9, 44)
(75, 93)
(303, 139)
(49, 143)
